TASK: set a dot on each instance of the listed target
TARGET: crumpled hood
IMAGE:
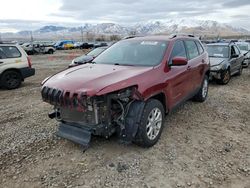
(92, 78)
(216, 61)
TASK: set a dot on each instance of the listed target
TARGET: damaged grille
(61, 98)
(53, 96)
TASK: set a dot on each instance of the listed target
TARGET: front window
(218, 51)
(134, 53)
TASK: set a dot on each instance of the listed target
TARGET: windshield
(134, 53)
(243, 47)
(96, 52)
(218, 51)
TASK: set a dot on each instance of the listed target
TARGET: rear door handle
(189, 68)
(203, 61)
(1, 62)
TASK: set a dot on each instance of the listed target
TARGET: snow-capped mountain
(197, 27)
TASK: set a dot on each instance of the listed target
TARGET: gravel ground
(202, 145)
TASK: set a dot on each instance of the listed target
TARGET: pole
(82, 33)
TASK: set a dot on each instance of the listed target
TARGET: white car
(15, 66)
(38, 48)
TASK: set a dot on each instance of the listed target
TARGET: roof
(219, 44)
(163, 37)
(242, 43)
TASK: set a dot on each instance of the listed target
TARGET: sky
(19, 15)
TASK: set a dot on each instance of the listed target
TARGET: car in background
(88, 57)
(86, 45)
(77, 45)
(225, 60)
(245, 50)
(101, 44)
(129, 89)
(38, 48)
(64, 45)
(15, 66)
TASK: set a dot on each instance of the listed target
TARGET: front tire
(151, 124)
(11, 79)
(225, 77)
(201, 96)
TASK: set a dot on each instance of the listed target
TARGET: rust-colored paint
(175, 82)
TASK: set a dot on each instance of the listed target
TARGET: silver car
(225, 60)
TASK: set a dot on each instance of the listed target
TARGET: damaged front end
(81, 116)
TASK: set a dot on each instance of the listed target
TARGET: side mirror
(234, 56)
(179, 61)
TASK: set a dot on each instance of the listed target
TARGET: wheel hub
(154, 123)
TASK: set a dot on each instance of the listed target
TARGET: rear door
(240, 59)
(194, 65)
(234, 60)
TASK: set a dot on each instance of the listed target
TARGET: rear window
(200, 48)
(9, 52)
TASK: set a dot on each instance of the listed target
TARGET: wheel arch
(162, 98)
(12, 69)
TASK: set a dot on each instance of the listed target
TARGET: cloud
(141, 10)
(236, 3)
(77, 12)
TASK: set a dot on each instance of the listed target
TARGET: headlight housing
(217, 67)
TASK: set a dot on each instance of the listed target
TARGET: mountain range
(196, 27)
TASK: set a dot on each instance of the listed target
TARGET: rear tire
(225, 77)
(11, 79)
(151, 124)
(240, 71)
(201, 96)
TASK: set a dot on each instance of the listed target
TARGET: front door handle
(1, 62)
(189, 68)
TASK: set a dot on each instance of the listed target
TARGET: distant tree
(100, 38)
(114, 37)
(90, 36)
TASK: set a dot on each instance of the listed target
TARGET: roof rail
(131, 36)
(5, 42)
(181, 35)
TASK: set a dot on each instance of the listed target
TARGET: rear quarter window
(200, 48)
(192, 49)
(9, 52)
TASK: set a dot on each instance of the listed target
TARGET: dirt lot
(202, 145)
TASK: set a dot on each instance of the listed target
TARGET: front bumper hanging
(75, 134)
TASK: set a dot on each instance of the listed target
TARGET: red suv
(128, 89)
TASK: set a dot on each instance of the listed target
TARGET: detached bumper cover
(27, 72)
(74, 134)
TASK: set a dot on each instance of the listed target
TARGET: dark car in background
(87, 57)
(86, 45)
(225, 60)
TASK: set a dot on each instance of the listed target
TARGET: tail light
(29, 61)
